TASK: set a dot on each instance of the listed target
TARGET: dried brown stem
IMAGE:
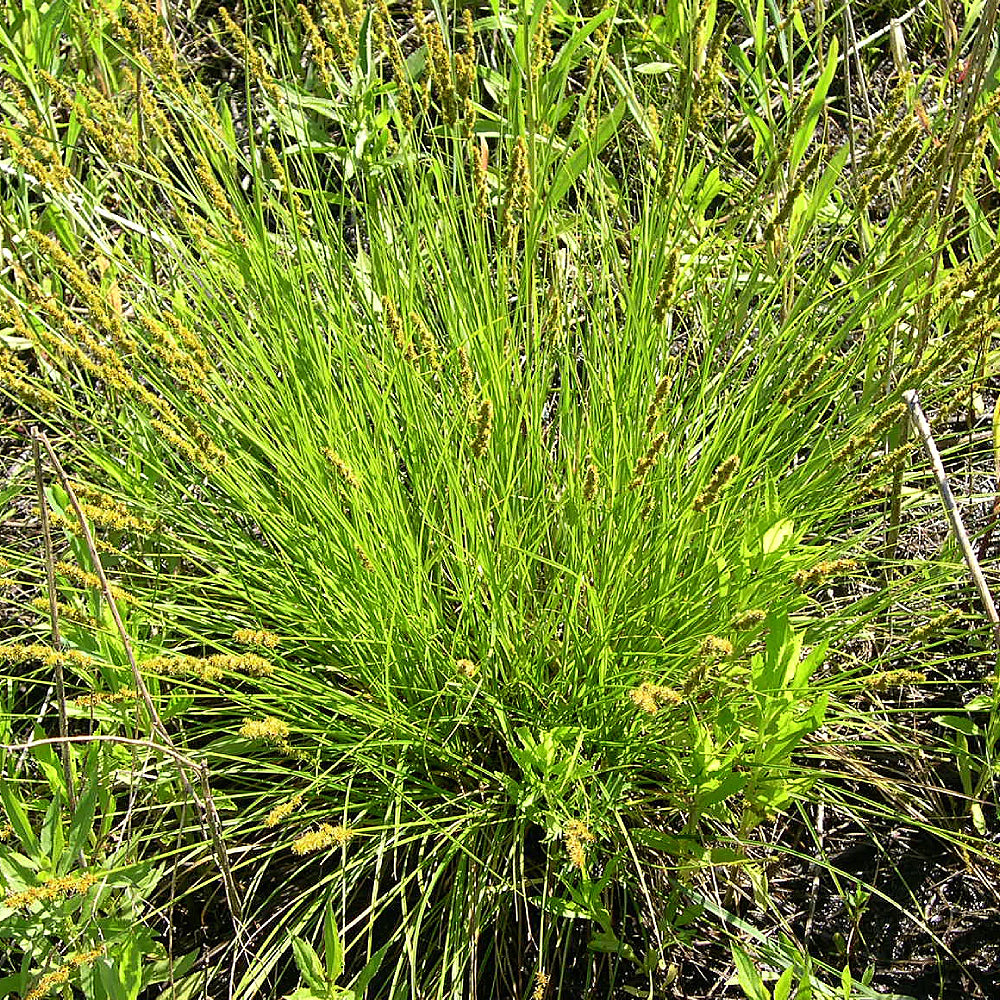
(923, 429)
(206, 808)
(50, 577)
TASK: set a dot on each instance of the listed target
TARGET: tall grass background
(495, 427)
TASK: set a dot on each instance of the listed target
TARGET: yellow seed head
(805, 379)
(268, 729)
(467, 668)
(656, 403)
(894, 679)
(517, 191)
(649, 698)
(541, 985)
(283, 810)
(647, 461)
(714, 648)
(577, 836)
(343, 470)
(466, 377)
(936, 625)
(399, 335)
(480, 162)
(428, 346)
(256, 637)
(484, 429)
(807, 579)
(749, 619)
(51, 888)
(721, 478)
(318, 840)
(541, 51)
(668, 288)
(591, 480)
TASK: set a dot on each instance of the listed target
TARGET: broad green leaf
(18, 819)
(776, 537)
(805, 132)
(52, 835)
(368, 973)
(749, 978)
(309, 964)
(958, 723)
(570, 171)
(332, 948)
(784, 985)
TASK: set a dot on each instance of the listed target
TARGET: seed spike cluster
(96, 698)
(60, 975)
(862, 444)
(69, 344)
(267, 730)
(713, 648)
(483, 428)
(803, 380)
(809, 579)
(66, 612)
(887, 679)
(389, 44)
(649, 698)
(647, 462)
(668, 287)
(343, 470)
(797, 185)
(61, 887)
(400, 337)
(517, 189)
(82, 578)
(591, 480)
(208, 668)
(467, 668)
(721, 478)
(37, 652)
(322, 54)
(541, 48)
(541, 985)
(283, 810)
(255, 61)
(466, 376)
(281, 173)
(256, 637)
(26, 146)
(577, 835)
(428, 345)
(325, 837)
(439, 63)
(656, 403)
(936, 626)
(749, 619)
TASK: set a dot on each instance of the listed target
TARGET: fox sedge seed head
(483, 428)
(749, 619)
(268, 729)
(715, 648)
(256, 637)
(591, 480)
(541, 985)
(283, 810)
(649, 698)
(887, 679)
(721, 478)
(318, 840)
(467, 668)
